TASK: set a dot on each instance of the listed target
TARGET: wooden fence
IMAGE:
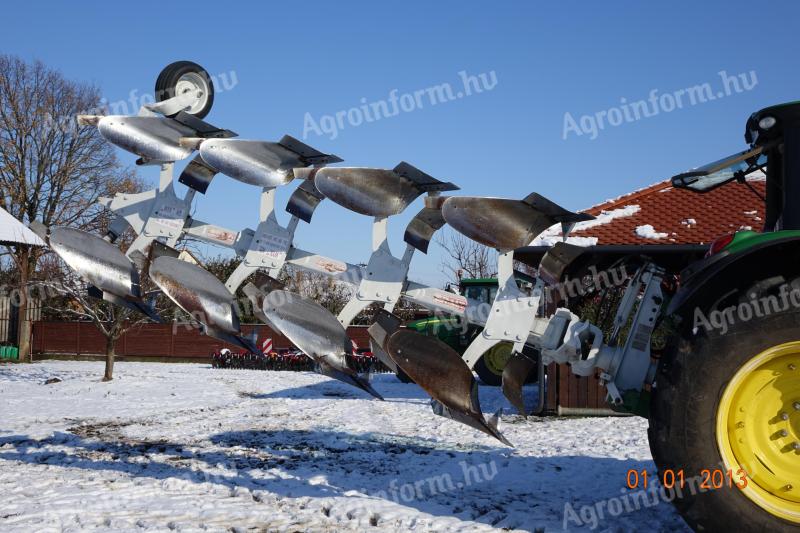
(566, 391)
(180, 341)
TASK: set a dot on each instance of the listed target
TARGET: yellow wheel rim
(497, 358)
(758, 429)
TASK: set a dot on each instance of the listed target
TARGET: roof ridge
(626, 198)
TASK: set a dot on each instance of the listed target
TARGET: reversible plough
(173, 129)
(723, 394)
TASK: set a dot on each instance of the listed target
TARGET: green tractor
(726, 396)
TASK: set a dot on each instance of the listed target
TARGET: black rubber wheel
(693, 374)
(183, 75)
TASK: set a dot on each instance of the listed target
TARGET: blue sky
(549, 58)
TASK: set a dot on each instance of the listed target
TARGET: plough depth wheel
(183, 76)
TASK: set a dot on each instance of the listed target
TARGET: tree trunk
(24, 325)
(111, 343)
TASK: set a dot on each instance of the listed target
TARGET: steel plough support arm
(384, 276)
(511, 316)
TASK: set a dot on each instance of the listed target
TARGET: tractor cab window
(718, 173)
(481, 293)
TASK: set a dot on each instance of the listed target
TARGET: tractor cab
(481, 290)
(484, 290)
(773, 134)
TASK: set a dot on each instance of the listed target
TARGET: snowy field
(188, 448)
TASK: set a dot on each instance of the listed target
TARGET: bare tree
(51, 169)
(68, 297)
(465, 258)
(329, 293)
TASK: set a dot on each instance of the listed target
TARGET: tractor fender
(713, 277)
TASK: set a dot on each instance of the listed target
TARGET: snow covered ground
(186, 447)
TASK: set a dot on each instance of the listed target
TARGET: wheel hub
(193, 82)
(497, 358)
(758, 429)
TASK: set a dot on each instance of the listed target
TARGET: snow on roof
(677, 216)
(551, 238)
(649, 232)
(14, 231)
(552, 235)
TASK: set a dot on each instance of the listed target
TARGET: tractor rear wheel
(726, 413)
(490, 366)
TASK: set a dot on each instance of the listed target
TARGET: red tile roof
(686, 217)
